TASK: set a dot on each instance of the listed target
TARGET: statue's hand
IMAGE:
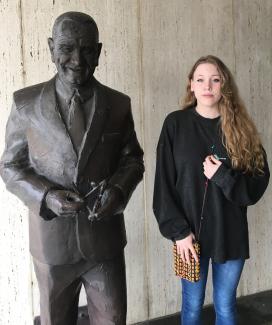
(64, 203)
(112, 202)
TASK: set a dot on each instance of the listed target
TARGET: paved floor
(252, 310)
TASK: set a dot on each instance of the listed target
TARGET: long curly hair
(239, 134)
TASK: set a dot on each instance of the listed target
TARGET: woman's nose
(208, 85)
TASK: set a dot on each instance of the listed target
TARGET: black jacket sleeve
(241, 188)
(166, 203)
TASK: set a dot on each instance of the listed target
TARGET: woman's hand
(185, 246)
(210, 165)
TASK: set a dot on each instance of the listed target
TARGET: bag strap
(202, 208)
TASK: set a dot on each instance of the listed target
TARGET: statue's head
(75, 47)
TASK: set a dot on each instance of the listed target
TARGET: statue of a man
(73, 158)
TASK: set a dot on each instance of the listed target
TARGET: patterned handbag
(190, 272)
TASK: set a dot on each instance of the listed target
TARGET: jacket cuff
(126, 193)
(122, 202)
(184, 234)
(46, 213)
(222, 176)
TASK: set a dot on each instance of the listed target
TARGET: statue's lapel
(53, 122)
(95, 128)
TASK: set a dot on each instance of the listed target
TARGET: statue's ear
(99, 47)
(51, 48)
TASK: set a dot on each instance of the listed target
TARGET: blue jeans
(225, 278)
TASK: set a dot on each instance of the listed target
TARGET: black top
(186, 139)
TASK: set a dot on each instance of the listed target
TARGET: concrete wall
(149, 46)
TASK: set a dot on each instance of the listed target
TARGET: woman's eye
(216, 80)
(199, 80)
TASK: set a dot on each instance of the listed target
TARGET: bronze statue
(73, 158)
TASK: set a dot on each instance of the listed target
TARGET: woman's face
(206, 85)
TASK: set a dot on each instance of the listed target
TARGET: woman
(211, 146)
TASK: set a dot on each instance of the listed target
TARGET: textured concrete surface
(149, 47)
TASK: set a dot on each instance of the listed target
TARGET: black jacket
(185, 141)
(39, 155)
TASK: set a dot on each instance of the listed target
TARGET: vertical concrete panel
(175, 34)
(119, 68)
(14, 257)
(148, 48)
(253, 52)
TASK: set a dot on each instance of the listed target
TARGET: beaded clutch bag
(190, 272)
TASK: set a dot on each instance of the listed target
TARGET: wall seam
(233, 35)
(23, 71)
(141, 100)
(22, 44)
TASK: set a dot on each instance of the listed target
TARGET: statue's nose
(76, 57)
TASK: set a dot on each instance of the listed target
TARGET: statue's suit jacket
(39, 156)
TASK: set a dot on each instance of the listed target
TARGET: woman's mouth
(207, 95)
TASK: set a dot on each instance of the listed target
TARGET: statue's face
(75, 52)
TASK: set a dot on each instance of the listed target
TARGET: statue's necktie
(76, 121)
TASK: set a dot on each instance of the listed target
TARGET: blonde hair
(239, 133)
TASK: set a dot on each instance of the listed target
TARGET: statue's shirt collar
(66, 93)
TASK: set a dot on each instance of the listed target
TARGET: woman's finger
(214, 160)
(181, 253)
(187, 256)
(193, 252)
(179, 249)
(182, 256)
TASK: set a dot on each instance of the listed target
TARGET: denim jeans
(225, 277)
